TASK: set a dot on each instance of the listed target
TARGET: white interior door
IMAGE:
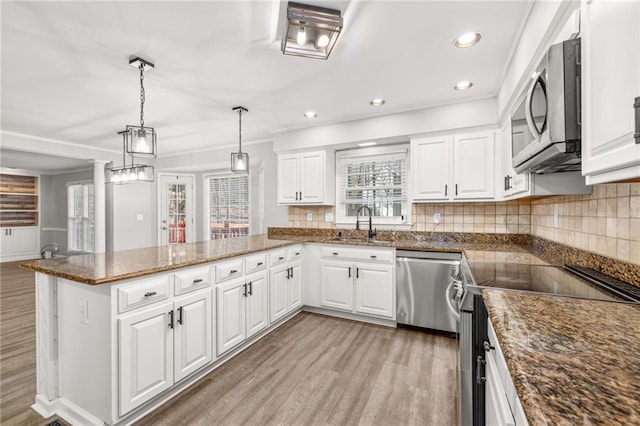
(177, 206)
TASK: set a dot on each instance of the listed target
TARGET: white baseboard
(64, 409)
(351, 316)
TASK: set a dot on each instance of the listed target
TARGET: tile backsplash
(606, 222)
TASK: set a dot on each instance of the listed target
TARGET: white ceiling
(65, 72)
(43, 163)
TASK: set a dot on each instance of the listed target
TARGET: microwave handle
(527, 106)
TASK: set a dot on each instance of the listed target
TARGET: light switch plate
(437, 218)
(309, 217)
(139, 217)
(328, 217)
(84, 311)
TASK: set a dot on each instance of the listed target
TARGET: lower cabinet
(19, 243)
(242, 309)
(361, 287)
(285, 287)
(161, 345)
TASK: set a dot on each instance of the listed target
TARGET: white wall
(452, 117)
(124, 231)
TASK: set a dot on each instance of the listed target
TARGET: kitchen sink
(362, 240)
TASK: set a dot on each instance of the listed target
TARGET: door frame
(191, 236)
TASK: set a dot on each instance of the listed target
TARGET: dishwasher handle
(454, 312)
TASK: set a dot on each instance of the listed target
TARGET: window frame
(396, 222)
(91, 219)
(206, 201)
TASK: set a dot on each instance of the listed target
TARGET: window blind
(227, 206)
(80, 227)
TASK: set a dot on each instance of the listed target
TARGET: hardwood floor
(312, 370)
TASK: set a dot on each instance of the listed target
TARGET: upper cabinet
(306, 178)
(459, 167)
(610, 83)
(511, 183)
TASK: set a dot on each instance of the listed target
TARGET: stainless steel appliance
(546, 126)
(422, 280)
(523, 277)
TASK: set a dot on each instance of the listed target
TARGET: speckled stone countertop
(121, 265)
(573, 361)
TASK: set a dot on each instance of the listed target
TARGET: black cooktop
(537, 278)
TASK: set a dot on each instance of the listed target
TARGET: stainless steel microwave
(546, 126)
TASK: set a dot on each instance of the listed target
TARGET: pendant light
(240, 160)
(128, 174)
(141, 140)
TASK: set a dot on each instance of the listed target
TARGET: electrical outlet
(556, 220)
(328, 217)
(309, 217)
(84, 311)
(437, 218)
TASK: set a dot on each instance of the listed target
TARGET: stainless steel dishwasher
(422, 280)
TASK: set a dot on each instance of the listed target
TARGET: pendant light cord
(240, 131)
(142, 95)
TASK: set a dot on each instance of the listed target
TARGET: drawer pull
(259, 263)
(150, 293)
(197, 280)
(280, 258)
(233, 271)
(297, 253)
(374, 257)
(335, 253)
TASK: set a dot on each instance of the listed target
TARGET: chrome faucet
(371, 233)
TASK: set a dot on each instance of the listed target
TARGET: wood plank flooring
(312, 370)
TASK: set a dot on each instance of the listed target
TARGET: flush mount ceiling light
(377, 102)
(141, 140)
(240, 160)
(310, 114)
(131, 173)
(463, 85)
(467, 39)
(311, 31)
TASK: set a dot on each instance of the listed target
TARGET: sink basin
(374, 241)
(361, 240)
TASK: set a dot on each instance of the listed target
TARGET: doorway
(176, 209)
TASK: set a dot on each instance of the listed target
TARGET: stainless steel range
(520, 277)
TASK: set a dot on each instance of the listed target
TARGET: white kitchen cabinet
(336, 285)
(19, 243)
(146, 352)
(278, 292)
(510, 182)
(294, 299)
(306, 178)
(453, 167)
(242, 309)
(163, 344)
(193, 334)
(374, 289)
(610, 33)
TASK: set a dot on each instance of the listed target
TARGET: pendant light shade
(141, 140)
(240, 160)
(128, 173)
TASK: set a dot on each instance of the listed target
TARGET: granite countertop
(573, 361)
(121, 265)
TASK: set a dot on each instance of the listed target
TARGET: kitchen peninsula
(145, 324)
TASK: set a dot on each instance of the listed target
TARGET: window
(226, 206)
(80, 217)
(376, 178)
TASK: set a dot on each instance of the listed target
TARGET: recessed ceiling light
(377, 102)
(310, 114)
(467, 39)
(368, 143)
(463, 85)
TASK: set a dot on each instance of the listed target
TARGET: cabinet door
(288, 172)
(193, 338)
(257, 303)
(25, 241)
(510, 182)
(474, 166)
(610, 83)
(278, 293)
(336, 285)
(497, 410)
(312, 169)
(145, 366)
(5, 243)
(294, 299)
(431, 168)
(374, 289)
(230, 315)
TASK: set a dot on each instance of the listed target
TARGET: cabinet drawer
(277, 257)
(191, 279)
(368, 254)
(143, 293)
(228, 270)
(256, 262)
(294, 253)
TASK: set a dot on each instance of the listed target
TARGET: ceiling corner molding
(31, 143)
